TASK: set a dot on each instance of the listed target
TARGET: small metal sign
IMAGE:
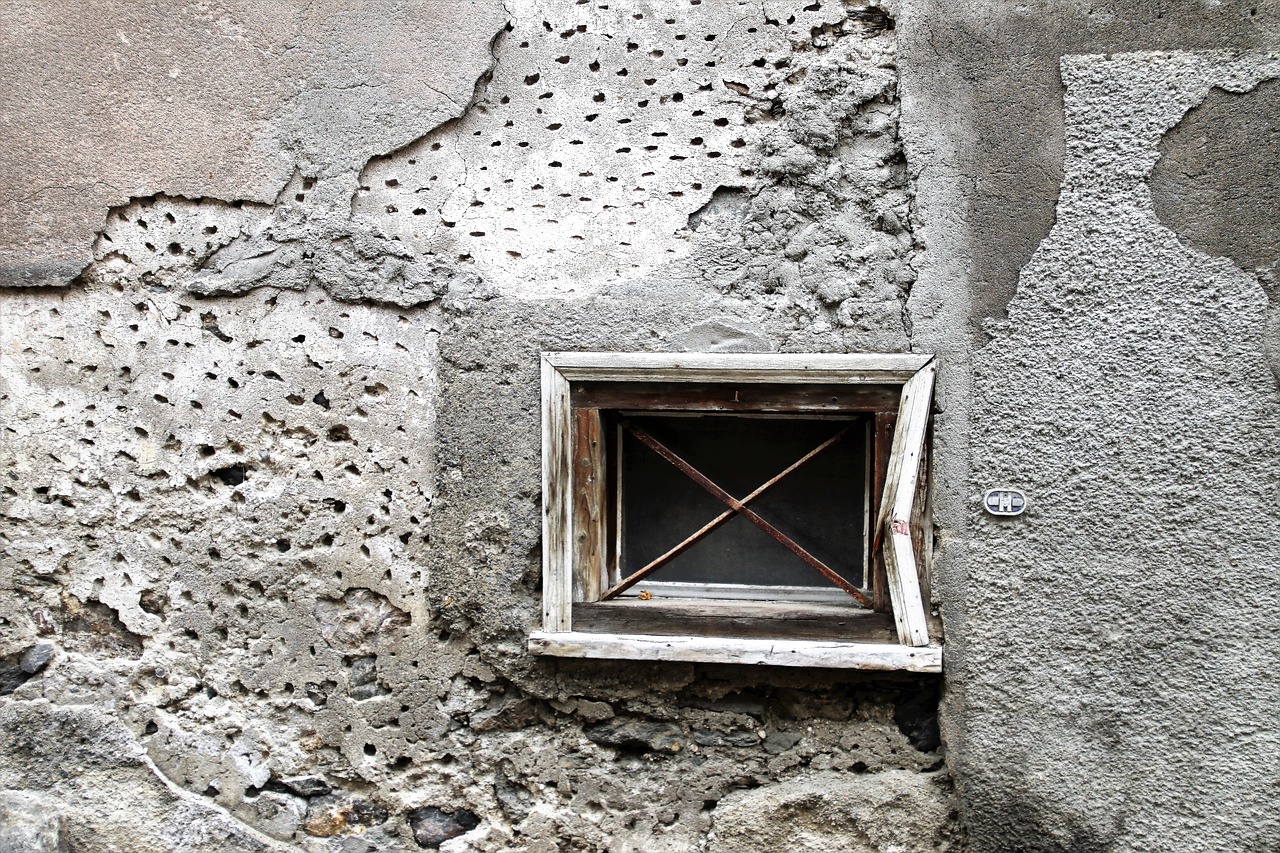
(1004, 501)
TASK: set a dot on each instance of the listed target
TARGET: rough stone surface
(29, 824)
(273, 460)
(853, 813)
(35, 658)
(432, 827)
(270, 480)
(82, 767)
(637, 735)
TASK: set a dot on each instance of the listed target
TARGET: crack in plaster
(221, 510)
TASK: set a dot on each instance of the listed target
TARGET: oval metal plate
(1004, 501)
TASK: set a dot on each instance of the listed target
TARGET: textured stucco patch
(1130, 395)
(984, 95)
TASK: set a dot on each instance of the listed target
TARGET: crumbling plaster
(272, 503)
(1106, 653)
(109, 101)
(270, 439)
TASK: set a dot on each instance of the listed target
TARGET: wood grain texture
(557, 520)
(897, 511)
(814, 653)
(856, 369)
(763, 594)
(759, 620)
(734, 397)
(590, 505)
(883, 446)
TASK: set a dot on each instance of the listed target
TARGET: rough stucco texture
(271, 495)
(1111, 688)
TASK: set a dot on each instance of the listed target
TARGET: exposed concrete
(85, 783)
(852, 813)
(289, 544)
(271, 478)
(1217, 183)
(1218, 178)
(1104, 639)
(115, 100)
(984, 97)
(984, 135)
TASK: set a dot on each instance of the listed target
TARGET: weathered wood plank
(884, 428)
(764, 594)
(922, 537)
(861, 368)
(618, 529)
(722, 619)
(900, 494)
(733, 397)
(590, 505)
(557, 520)
(815, 653)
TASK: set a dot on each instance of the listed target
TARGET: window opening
(737, 508)
(821, 507)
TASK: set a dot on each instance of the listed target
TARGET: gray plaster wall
(1074, 193)
(271, 507)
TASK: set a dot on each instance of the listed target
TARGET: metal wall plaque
(1004, 501)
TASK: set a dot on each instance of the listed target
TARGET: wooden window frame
(576, 506)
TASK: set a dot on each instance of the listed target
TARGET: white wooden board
(877, 656)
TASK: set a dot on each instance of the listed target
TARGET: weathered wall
(1106, 677)
(271, 510)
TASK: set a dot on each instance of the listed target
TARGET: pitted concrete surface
(273, 493)
(271, 501)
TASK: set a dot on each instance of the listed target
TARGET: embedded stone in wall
(853, 813)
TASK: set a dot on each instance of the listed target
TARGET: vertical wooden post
(590, 505)
(882, 446)
(557, 519)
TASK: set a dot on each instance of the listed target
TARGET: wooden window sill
(700, 617)
(776, 652)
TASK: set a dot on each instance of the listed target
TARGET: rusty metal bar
(642, 573)
(748, 513)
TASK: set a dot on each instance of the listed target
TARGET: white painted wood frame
(881, 656)
(557, 510)
(896, 518)
(896, 521)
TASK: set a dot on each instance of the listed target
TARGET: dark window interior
(821, 505)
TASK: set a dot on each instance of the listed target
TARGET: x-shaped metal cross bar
(736, 507)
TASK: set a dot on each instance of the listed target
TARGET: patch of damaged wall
(271, 495)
